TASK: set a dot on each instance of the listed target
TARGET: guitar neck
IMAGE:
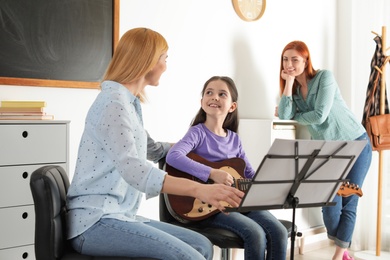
(242, 184)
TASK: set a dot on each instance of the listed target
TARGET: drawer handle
(24, 215)
(25, 134)
(25, 255)
(25, 175)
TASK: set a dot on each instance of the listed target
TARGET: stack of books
(23, 110)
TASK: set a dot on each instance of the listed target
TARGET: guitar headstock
(348, 189)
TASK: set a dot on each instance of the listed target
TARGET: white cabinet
(257, 136)
(24, 147)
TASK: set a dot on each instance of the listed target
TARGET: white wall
(207, 38)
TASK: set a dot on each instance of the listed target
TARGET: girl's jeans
(265, 237)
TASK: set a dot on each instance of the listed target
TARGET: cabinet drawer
(28, 143)
(15, 185)
(18, 253)
(17, 226)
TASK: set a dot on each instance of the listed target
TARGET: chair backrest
(165, 216)
(49, 185)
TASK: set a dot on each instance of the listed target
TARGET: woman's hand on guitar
(221, 176)
(214, 194)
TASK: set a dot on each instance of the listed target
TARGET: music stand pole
(295, 202)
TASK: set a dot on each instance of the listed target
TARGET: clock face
(249, 10)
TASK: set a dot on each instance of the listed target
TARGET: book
(22, 103)
(21, 109)
(21, 113)
(26, 117)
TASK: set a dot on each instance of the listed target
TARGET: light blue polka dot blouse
(112, 172)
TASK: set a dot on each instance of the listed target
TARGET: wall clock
(249, 10)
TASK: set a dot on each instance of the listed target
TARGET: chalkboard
(65, 42)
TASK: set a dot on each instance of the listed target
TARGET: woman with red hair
(312, 98)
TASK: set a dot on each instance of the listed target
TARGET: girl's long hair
(231, 120)
(303, 51)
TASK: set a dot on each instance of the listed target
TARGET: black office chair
(49, 185)
(222, 238)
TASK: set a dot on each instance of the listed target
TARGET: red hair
(303, 51)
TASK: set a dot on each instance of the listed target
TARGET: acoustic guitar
(186, 209)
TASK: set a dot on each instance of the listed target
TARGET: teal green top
(324, 112)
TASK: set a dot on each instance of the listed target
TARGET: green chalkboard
(56, 40)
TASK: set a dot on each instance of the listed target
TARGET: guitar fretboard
(242, 184)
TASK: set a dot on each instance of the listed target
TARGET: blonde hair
(138, 51)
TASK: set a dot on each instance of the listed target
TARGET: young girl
(213, 136)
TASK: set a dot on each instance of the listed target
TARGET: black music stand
(300, 173)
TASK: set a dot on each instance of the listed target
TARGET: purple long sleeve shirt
(211, 147)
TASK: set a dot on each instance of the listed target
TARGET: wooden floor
(319, 254)
(324, 253)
